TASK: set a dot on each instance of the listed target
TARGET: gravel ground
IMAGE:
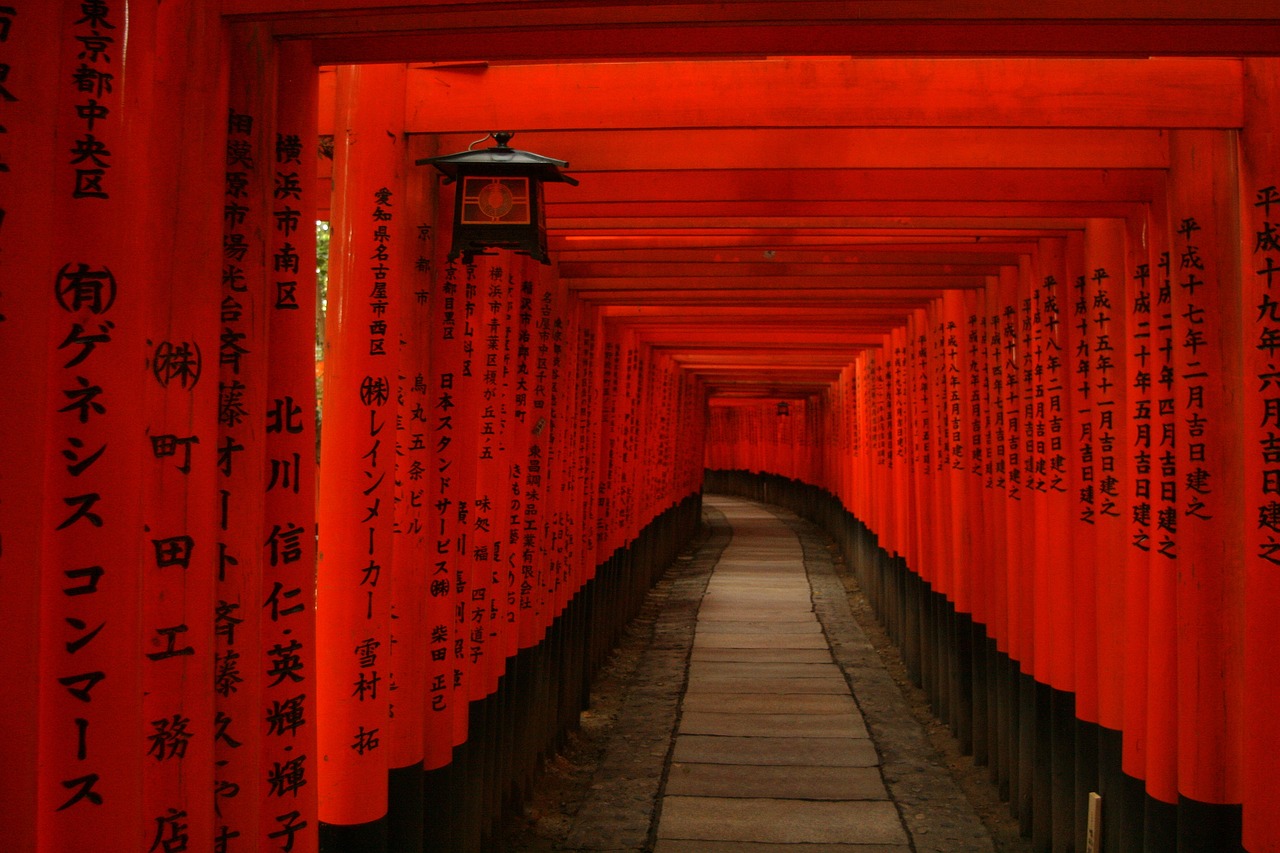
(601, 792)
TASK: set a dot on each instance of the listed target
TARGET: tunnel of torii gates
(985, 290)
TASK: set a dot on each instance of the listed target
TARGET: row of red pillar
(786, 436)
(1082, 455)
(222, 632)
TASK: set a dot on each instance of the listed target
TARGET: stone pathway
(747, 711)
(771, 749)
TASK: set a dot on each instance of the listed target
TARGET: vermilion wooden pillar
(1106, 270)
(94, 348)
(998, 295)
(1260, 254)
(973, 434)
(958, 437)
(1204, 213)
(519, 435)
(1018, 576)
(535, 600)
(591, 348)
(356, 512)
(243, 320)
(941, 370)
(1076, 302)
(1051, 393)
(1055, 531)
(180, 510)
(97, 784)
(1162, 614)
(445, 355)
(30, 37)
(285, 600)
(1139, 478)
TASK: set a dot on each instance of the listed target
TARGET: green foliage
(322, 303)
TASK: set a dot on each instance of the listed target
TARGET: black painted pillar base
(405, 803)
(368, 837)
(1208, 827)
(1086, 776)
(1062, 748)
(1161, 826)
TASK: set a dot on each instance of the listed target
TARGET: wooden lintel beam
(873, 229)
(873, 262)
(801, 360)
(712, 268)
(897, 282)
(803, 240)
(843, 298)
(700, 211)
(921, 184)
(763, 340)
(730, 310)
(419, 38)
(911, 227)
(837, 93)
(844, 148)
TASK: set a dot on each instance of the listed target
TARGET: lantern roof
(501, 158)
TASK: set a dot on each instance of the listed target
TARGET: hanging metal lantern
(498, 203)
(784, 410)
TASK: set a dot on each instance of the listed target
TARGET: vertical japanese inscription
(81, 523)
(7, 16)
(1107, 385)
(285, 597)
(1143, 443)
(93, 55)
(443, 457)
(377, 459)
(1264, 338)
(238, 383)
(1165, 455)
(1085, 414)
(1195, 340)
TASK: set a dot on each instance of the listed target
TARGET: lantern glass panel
(488, 200)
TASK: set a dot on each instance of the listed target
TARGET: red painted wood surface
(243, 660)
(444, 490)
(286, 598)
(745, 250)
(29, 45)
(98, 615)
(1259, 155)
(357, 460)
(1207, 332)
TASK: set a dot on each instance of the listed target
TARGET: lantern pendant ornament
(498, 204)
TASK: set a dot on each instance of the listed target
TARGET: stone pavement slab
(780, 821)
(789, 625)
(762, 655)
(760, 641)
(768, 703)
(816, 752)
(698, 670)
(758, 614)
(703, 846)
(739, 724)
(777, 781)
(772, 684)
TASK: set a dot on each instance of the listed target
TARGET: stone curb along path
(723, 766)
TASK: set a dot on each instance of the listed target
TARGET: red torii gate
(157, 513)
